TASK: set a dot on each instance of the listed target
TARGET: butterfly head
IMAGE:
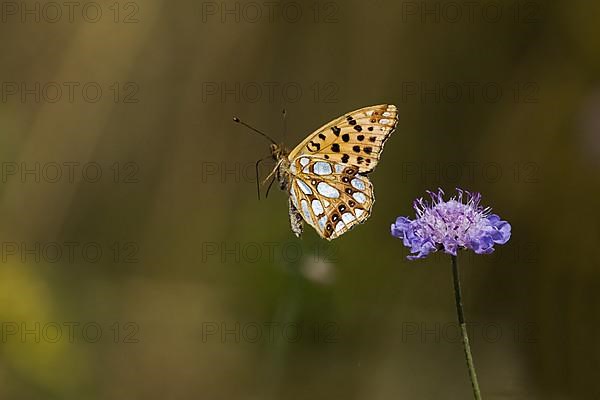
(278, 151)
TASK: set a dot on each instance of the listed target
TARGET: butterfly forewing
(354, 139)
(330, 196)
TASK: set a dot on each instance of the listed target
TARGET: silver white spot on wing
(384, 121)
(348, 217)
(306, 169)
(360, 197)
(322, 168)
(387, 114)
(358, 184)
(339, 168)
(327, 190)
(326, 202)
(340, 225)
(305, 210)
(369, 113)
(304, 187)
(317, 207)
(323, 221)
(359, 212)
(304, 161)
(294, 198)
(293, 169)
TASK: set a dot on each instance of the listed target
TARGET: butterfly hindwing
(354, 139)
(330, 196)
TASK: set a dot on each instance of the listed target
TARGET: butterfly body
(280, 155)
(325, 175)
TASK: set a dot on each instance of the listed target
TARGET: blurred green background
(201, 291)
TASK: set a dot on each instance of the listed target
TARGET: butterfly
(325, 175)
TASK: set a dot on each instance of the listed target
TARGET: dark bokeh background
(193, 266)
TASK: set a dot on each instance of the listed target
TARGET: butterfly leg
(275, 169)
(257, 174)
(269, 187)
(295, 220)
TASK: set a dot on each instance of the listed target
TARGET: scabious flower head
(459, 223)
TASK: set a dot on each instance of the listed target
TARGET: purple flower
(451, 225)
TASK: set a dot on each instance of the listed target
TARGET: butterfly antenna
(284, 115)
(236, 119)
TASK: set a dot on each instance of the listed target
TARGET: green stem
(463, 329)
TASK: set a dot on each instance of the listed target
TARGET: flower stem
(463, 329)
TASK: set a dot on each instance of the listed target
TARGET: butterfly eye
(350, 171)
(351, 203)
(335, 217)
(342, 208)
(348, 190)
(329, 228)
(345, 179)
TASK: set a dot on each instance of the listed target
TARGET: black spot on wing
(312, 146)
